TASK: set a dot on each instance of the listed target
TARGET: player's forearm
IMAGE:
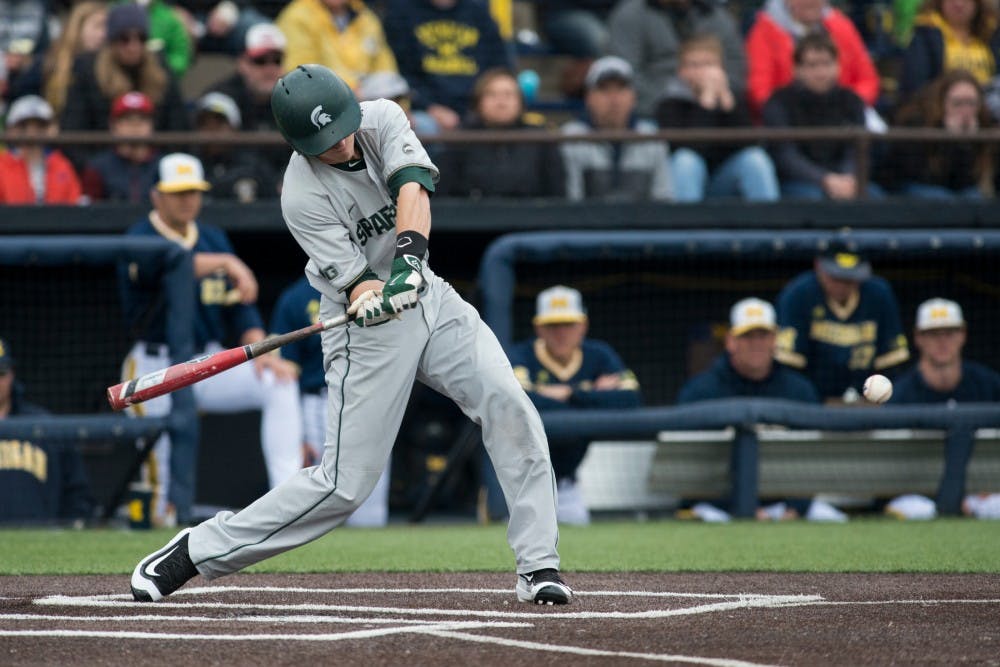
(413, 210)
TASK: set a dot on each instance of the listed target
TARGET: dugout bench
(882, 463)
(720, 448)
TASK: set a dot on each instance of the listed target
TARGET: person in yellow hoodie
(344, 35)
(948, 35)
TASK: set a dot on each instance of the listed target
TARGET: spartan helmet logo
(319, 117)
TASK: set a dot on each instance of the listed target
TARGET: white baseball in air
(878, 389)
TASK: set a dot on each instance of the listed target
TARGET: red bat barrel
(174, 377)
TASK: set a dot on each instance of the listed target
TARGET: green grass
(872, 545)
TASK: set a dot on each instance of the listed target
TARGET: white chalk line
(578, 650)
(806, 603)
(327, 637)
(744, 603)
(197, 590)
(294, 618)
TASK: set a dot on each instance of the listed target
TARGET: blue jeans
(805, 190)
(748, 173)
(576, 32)
(927, 191)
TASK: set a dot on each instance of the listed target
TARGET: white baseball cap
(559, 305)
(180, 172)
(609, 68)
(750, 314)
(382, 84)
(939, 314)
(221, 104)
(29, 107)
(264, 38)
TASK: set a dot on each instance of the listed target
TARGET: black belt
(314, 392)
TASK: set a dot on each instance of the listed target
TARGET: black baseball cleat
(543, 587)
(164, 571)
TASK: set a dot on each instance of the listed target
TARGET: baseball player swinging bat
(195, 370)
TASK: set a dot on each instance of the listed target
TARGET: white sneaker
(820, 510)
(570, 508)
(710, 513)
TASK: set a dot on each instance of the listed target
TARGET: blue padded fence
(176, 272)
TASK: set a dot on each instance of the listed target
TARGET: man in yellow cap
(225, 310)
(562, 369)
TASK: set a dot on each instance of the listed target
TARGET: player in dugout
(225, 292)
(563, 369)
(838, 324)
(356, 198)
(40, 481)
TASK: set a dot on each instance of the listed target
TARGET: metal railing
(860, 137)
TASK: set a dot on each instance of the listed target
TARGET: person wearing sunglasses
(258, 68)
(124, 63)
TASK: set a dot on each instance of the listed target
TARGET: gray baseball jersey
(343, 216)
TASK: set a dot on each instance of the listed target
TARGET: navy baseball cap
(844, 263)
(6, 361)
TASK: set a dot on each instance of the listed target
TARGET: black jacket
(680, 108)
(503, 169)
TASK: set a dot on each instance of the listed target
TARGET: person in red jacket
(772, 38)
(30, 173)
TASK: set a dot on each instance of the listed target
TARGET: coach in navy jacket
(748, 368)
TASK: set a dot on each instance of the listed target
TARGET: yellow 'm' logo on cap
(846, 260)
(559, 302)
(939, 313)
(184, 170)
(754, 311)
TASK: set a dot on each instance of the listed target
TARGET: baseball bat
(195, 370)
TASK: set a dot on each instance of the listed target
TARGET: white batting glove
(367, 309)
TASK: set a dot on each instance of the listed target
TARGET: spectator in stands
(577, 28)
(257, 71)
(31, 173)
(297, 307)
(83, 32)
(24, 39)
(502, 170)
(951, 34)
(121, 65)
(234, 172)
(700, 97)
(648, 34)
(227, 291)
(126, 171)
(221, 27)
(941, 374)
(817, 169)
(168, 36)
(771, 43)
(634, 170)
(747, 367)
(945, 170)
(343, 35)
(443, 46)
(563, 369)
(39, 481)
(839, 324)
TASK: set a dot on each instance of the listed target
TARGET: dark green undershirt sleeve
(421, 175)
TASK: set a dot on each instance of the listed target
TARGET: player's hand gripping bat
(174, 377)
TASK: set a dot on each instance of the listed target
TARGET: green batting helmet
(314, 109)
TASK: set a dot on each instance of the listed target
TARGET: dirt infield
(461, 619)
